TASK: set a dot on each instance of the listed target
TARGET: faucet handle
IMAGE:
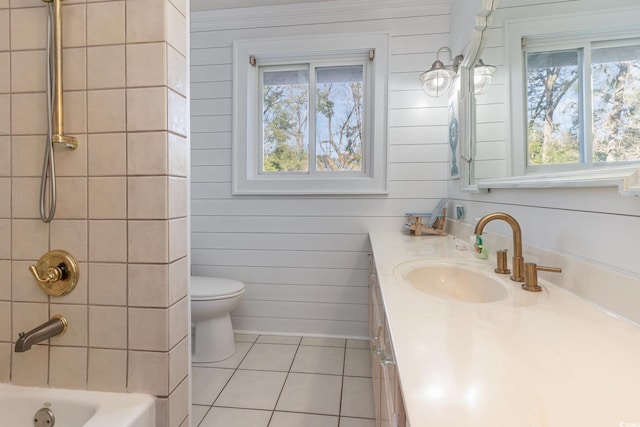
(501, 260)
(56, 272)
(531, 275)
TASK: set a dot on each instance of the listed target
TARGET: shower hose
(48, 181)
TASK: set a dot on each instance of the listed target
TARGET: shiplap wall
(594, 225)
(304, 260)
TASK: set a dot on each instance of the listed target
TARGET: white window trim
(598, 23)
(245, 177)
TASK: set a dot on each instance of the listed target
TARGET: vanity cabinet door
(389, 408)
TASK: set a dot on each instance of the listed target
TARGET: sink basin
(454, 281)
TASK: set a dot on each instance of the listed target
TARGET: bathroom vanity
(501, 358)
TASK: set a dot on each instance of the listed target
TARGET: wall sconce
(437, 80)
(482, 75)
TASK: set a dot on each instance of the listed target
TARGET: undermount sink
(454, 281)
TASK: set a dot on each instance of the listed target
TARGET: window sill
(626, 179)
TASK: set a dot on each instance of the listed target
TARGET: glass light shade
(437, 81)
(482, 75)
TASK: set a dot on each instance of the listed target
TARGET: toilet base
(214, 340)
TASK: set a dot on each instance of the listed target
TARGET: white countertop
(533, 359)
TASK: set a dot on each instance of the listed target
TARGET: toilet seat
(212, 288)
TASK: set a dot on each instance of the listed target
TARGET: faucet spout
(518, 260)
(57, 325)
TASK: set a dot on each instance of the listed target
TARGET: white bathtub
(75, 408)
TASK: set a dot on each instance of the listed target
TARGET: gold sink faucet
(518, 261)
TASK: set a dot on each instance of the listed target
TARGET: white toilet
(212, 299)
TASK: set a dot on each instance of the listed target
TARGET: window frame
(577, 31)
(247, 178)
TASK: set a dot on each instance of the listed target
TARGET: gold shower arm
(58, 113)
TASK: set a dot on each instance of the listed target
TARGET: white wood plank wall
(304, 259)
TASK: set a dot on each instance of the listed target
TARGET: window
(310, 115)
(575, 93)
(583, 103)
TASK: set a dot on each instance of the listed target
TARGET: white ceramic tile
(178, 238)
(5, 72)
(108, 198)
(177, 202)
(236, 418)
(106, 110)
(107, 284)
(27, 316)
(74, 63)
(269, 357)
(278, 339)
(207, 383)
(75, 113)
(252, 389)
(356, 422)
(197, 413)
(5, 361)
(358, 344)
(147, 109)
(311, 393)
(71, 198)
(107, 241)
(176, 27)
(5, 280)
(178, 363)
(72, 162)
(178, 280)
(147, 153)
(4, 29)
(76, 315)
(5, 321)
(112, 334)
(28, 113)
(357, 362)
(326, 342)
(24, 149)
(145, 21)
(146, 64)
(106, 67)
(319, 360)
(68, 367)
(75, 25)
(149, 329)
(293, 419)
(242, 348)
(28, 30)
(148, 372)
(176, 71)
(179, 405)
(147, 197)
(30, 368)
(24, 200)
(178, 322)
(5, 114)
(107, 154)
(176, 113)
(70, 235)
(29, 239)
(106, 23)
(107, 370)
(5, 156)
(148, 285)
(5, 235)
(23, 286)
(357, 398)
(148, 241)
(5, 197)
(28, 71)
(178, 155)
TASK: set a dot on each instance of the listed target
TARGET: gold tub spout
(518, 261)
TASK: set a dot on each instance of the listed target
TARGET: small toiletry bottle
(481, 248)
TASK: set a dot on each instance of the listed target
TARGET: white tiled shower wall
(122, 209)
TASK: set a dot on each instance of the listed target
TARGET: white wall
(595, 225)
(304, 259)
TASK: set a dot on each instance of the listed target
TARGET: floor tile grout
(237, 368)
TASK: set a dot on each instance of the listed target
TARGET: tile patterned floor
(281, 381)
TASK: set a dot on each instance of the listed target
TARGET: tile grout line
(285, 382)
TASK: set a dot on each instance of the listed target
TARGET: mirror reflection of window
(583, 104)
